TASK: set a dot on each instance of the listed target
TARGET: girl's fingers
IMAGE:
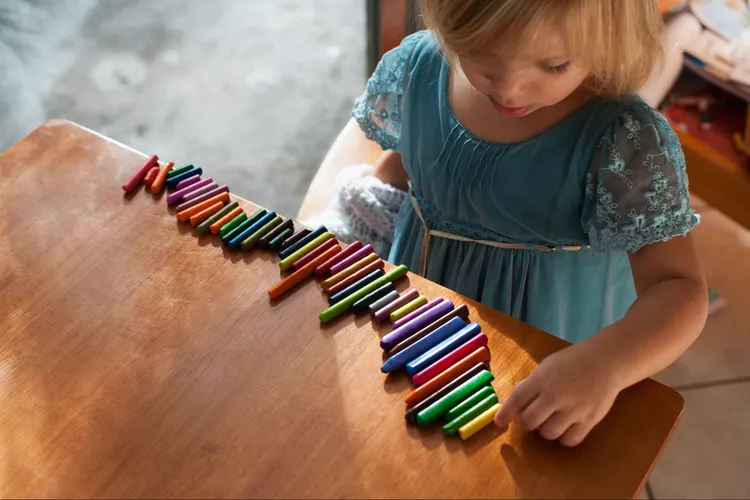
(538, 412)
(519, 399)
(555, 426)
(575, 434)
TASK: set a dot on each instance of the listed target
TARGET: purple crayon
(383, 314)
(186, 182)
(209, 194)
(176, 197)
(413, 326)
(355, 257)
(200, 192)
(417, 312)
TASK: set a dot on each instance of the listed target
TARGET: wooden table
(140, 360)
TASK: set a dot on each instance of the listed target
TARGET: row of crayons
(445, 357)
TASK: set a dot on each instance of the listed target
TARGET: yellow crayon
(478, 423)
(411, 306)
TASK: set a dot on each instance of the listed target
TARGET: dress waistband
(429, 233)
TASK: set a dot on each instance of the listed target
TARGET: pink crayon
(186, 182)
(355, 257)
(208, 194)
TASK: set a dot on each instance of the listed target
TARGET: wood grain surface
(138, 359)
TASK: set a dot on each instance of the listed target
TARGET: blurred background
(257, 91)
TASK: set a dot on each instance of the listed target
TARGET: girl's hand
(565, 397)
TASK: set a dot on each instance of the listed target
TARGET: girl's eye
(560, 68)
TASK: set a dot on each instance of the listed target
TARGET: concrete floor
(255, 91)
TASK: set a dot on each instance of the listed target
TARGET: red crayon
(449, 359)
(312, 255)
(325, 268)
(140, 174)
(151, 176)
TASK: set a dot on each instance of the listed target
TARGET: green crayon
(442, 405)
(252, 240)
(275, 243)
(179, 171)
(468, 403)
(346, 303)
(204, 226)
(451, 428)
(229, 226)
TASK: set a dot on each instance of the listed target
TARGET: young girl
(534, 180)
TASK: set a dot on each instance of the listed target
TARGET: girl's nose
(509, 86)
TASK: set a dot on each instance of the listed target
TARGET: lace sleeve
(378, 109)
(637, 187)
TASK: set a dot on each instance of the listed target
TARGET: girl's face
(533, 78)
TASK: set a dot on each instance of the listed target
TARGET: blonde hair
(619, 41)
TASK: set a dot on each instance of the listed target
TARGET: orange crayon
(205, 214)
(298, 276)
(214, 228)
(158, 184)
(196, 209)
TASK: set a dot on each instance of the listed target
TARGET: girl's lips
(506, 111)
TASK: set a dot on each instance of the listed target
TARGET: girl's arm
(572, 390)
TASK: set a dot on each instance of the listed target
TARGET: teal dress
(539, 229)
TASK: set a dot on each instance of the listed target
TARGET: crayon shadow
(396, 383)
(431, 437)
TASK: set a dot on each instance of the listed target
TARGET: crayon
(252, 240)
(236, 242)
(328, 283)
(179, 170)
(415, 325)
(449, 359)
(302, 273)
(341, 307)
(275, 243)
(417, 312)
(199, 192)
(469, 403)
(481, 355)
(451, 428)
(206, 213)
(411, 412)
(186, 182)
(295, 238)
(138, 176)
(302, 242)
(406, 309)
(186, 214)
(478, 423)
(161, 177)
(213, 190)
(266, 239)
(409, 295)
(467, 333)
(176, 197)
(325, 268)
(399, 360)
(442, 405)
(173, 181)
(229, 226)
(462, 312)
(356, 286)
(205, 226)
(355, 257)
(383, 301)
(148, 181)
(363, 303)
(353, 278)
(302, 261)
(239, 228)
(225, 219)
(300, 250)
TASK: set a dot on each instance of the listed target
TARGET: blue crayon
(443, 348)
(236, 242)
(338, 297)
(173, 181)
(302, 242)
(423, 345)
(245, 224)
